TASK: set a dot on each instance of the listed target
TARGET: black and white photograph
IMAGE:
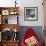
(30, 13)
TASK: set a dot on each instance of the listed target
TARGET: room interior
(17, 16)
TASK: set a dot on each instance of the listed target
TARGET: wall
(32, 3)
(6, 3)
(26, 3)
(36, 29)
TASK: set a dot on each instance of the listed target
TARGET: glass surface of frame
(30, 13)
(5, 12)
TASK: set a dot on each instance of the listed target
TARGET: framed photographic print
(5, 12)
(30, 13)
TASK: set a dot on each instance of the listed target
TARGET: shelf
(5, 12)
(9, 10)
(4, 8)
(10, 26)
(11, 41)
(9, 22)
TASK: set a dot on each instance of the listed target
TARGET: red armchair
(28, 34)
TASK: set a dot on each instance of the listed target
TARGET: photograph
(31, 13)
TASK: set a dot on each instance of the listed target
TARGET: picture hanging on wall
(30, 13)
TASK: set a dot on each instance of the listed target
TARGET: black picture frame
(30, 13)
